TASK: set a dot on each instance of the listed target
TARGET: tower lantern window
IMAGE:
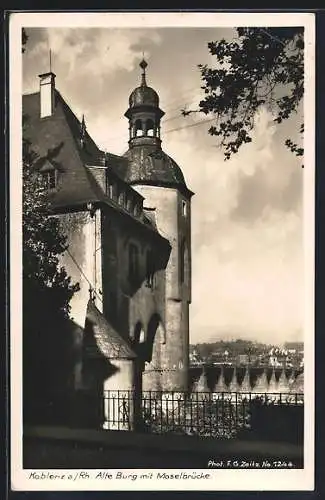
(138, 128)
(150, 128)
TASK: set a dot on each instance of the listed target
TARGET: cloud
(252, 285)
(100, 51)
(90, 53)
(246, 213)
(246, 236)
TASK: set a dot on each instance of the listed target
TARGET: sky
(247, 233)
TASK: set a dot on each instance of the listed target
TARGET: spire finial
(50, 61)
(143, 64)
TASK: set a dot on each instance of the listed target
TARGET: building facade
(128, 222)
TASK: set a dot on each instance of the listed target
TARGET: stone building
(128, 221)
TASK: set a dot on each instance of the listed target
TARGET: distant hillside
(212, 351)
(233, 347)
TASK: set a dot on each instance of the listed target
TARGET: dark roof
(144, 95)
(148, 164)
(102, 339)
(56, 138)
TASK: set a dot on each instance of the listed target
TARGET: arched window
(138, 335)
(138, 132)
(156, 336)
(150, 128)
(133, 263)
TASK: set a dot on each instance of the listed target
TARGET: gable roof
(56, 140)
(101, 337)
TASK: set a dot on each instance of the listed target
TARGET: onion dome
(147, 162)
(143, 95)
(153, 166)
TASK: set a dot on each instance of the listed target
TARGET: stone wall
(175, 225)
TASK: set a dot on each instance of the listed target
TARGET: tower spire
(143, 64)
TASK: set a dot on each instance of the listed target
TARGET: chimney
(47, 86)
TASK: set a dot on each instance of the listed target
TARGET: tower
(159, 179)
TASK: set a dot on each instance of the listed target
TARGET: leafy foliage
(47, 289)
(261, 67)
(24, 38)
(43, 241)
(234, 348)
(199, 414)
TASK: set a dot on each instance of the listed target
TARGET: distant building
(243, 359)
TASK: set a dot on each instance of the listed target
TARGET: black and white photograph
(162, 175)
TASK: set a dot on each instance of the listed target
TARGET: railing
(219, 415)
(276, 416)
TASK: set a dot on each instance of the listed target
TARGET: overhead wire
(169, 119)
(189, 91)
(179, 115)
(91, 287)
(196, 124)
(171, 105)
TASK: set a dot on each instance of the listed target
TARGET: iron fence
(219, 415)
(274, 416)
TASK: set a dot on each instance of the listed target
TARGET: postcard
(162, 174)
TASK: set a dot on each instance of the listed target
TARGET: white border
(220, 480)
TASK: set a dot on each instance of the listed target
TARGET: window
(137, 209)
(121, 198)
(150, 128)
(138, 335)
(182, 261)
(184, 208)
(149, 269)
(49, 179)
(133, 263)
(138, 128)
(110, 189)
(129, 204)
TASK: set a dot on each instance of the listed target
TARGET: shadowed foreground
(51, 448)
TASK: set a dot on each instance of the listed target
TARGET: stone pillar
(119, 404)
(221, 384)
